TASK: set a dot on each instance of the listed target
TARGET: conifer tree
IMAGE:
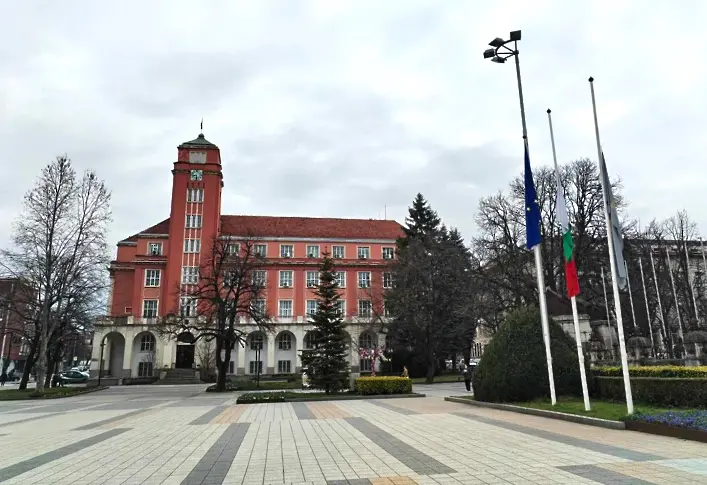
(326, 364)
(422, 222)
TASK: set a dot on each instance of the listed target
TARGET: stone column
(270, 369)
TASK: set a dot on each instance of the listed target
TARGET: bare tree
(206, 353)
(223, 301)
(61, 251)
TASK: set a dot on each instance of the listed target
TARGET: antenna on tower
(385, 212)
(201, 126)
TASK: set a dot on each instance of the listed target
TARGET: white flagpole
(660, 304)
(575, 314)
(675, 294)
(608, 315)
(689, 280)
(648, 312)
(630, 295)
(612, 259)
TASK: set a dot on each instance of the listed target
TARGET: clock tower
(195, 215)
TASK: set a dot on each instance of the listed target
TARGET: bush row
(653, 371)
(372, 386)
(658, 391)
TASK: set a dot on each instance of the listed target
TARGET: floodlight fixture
(515, 35)
(497, 42)
(498, 60)
(489, 53)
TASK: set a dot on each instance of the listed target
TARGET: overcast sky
(332, 108)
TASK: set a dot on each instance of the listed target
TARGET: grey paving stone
(302, 411)
(353, 481)
(209, 415)
(33, 418)
(124, 405)
(110, 420)
(411, 457)
(566, 440)
(382, 404)
(603, 476)
(214, 465)
(17, 469)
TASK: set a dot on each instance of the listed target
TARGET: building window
(193, 221)
(259, 277)
(197, 157)
(364, 252)
(190, 275)
(365, 341)
(284, 308)
(259, 307)
(284, 366)
(195, 195)
(285, 279)
(154, 249)
(152, 277)
(311, 307)
(261, 250)
(233, 248)
(231, 367)
(364, 308)
(388, 253)
(341, 308)
(192, 245)
(312, 279)
(312, 251)
(149, 308)
(187, 306)
(287, 251)
(364, 279)
(365, 365)
(337, 252)
(386, 310)
(284, 341)
(340, 278)
(310, 340)
(389, 343)
(144, 369)
(147, 342)
(387, 280)
(256, 341)
(255, 367)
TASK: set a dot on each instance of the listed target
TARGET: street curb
(574, 418)
(343, 398)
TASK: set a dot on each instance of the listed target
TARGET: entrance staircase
(180, 376)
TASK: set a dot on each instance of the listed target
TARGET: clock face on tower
(197, 174)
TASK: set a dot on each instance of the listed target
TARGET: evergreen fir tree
(326, 365)
(421, 220)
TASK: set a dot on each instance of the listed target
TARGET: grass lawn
(439, 379)
(50, 393)
(600, 409)
(248, 385)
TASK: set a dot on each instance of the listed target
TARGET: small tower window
(197, 157)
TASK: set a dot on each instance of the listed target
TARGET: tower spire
(201, 126)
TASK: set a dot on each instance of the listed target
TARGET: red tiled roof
(297, 227)
(310, 227)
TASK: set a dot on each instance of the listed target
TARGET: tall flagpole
(612, 259)
(675, 295)
(660, 304)
(575, 314)
(689, 280)
(630, 296)
(608, 315)
(648, 312)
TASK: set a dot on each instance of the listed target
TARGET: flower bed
(653, 371)
(691, 425)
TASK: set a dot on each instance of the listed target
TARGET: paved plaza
(181, 435)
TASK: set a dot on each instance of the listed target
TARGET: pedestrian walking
(3, 378)
(467, 378)
(405, 372)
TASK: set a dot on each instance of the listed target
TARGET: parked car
(73, 377)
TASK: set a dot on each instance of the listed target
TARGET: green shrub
(371, 386)
(513, 367)
(657, 391)
(265, 397)
(653, 371)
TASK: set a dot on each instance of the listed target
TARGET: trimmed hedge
(371, 386)
(658, 391)
(653, 371)
(137, 381)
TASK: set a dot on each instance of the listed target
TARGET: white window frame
(312, 279)
(257, 250)
(197, 157)
(195, 196)
(387, 284)
(187, 306)
(154, 249)
(313, 251)
(281, 367)
(391, 252)
(262, 303)
(190, 275)
(341, 278)
(152, 278)
(192, 246)
(193, 221)
(233, 248)
(144, 307)
(255, 277)
(258, 365)
(364, 279)
(308, 305)
(363, 252)
(365, 365)
(334, 251)
(284, 253)
(370, 309)
(288, 311)
(285, 284)
(145, 369)
(284, 341)
(342, 307)
(147, 342)
(308, 337)
(256, 341)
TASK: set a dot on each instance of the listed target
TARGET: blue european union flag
(532, 210)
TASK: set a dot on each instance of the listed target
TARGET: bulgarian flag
(567, 242)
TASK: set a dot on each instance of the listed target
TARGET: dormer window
(197, 157)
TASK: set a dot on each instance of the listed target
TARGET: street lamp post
(499, 53)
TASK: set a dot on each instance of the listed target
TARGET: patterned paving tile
(230, 414)
(209, 415)
(328, 410)
(393, 407)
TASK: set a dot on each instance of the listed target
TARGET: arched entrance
(185, 351)
(115, 351)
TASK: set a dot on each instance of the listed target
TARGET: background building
(152, 265)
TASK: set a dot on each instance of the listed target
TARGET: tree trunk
(50, 368)
(42, 357)
(29, 363)
(431, 365)
(222, 366)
